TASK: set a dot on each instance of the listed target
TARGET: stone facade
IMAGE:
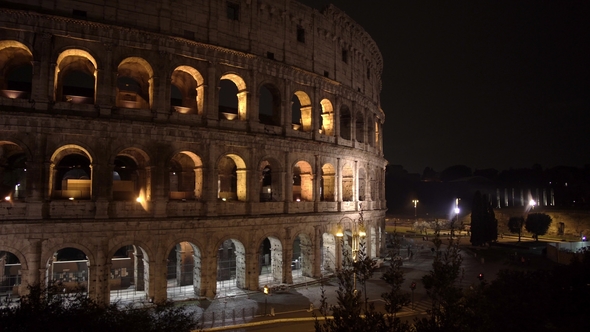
(213, 130)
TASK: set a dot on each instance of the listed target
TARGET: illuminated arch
(305, 111)
(69, 61)
(192, 91)
(327, 118)
(135, 83)
(242, 94)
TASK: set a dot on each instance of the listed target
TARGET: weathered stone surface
(152, 122)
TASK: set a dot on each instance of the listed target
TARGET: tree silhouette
(538, 224)
(515, 225)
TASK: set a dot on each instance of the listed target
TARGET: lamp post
(457, 210)
(358, 234)
(266, 290)
(415, 201)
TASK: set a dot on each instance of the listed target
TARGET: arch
(327, 118)
(302, 182)
(184, 271)
(129, 275)
(191, 89)
(135, 83)
(231, 267)
(241, 95)
(347, 183)
(328, 253)
(302, 259)
(13, 176)
(231, 178)
(75, 77)
(269, 105)
(359, 127)
(67, 268)
(271, 180)
(270, 261)
(371, 129)
(328, 183)
(70, 173)
(10, 274)
(345, 122)
(16, 70)
(132, 176)
(186, 176)
(362, 184)
(304, 121)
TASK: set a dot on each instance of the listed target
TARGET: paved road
(291, 308)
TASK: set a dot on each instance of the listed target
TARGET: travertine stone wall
(156, 174)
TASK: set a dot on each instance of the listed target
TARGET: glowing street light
(266, 291)
(415, 201)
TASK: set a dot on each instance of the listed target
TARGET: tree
(443, 288)
(44, 309)
(484, 225)
(515, 225)
(349, 313)
(538, 224)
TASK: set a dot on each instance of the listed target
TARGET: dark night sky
(487, 84)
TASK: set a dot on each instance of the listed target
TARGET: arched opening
(129, 275)
(131, 176)
(266, 185)
(10, 275)
(232, 97)
(360, 128)
(231, 268)
(67, 269)
(373, 242)
(186, 176)
(327, 118)
(270, 181)
(373, 186)
(301, 112)
(328, 253)
(328, 184)
(347, 184)
(371, 131)
(184, 272)
(269, 110)
(134, 84)
(75, 77)
(231, 178)
(345, 122)
(301, 261)
(187, 90)
(71, 173)
(16, 70)
(270, 261)
(13, 168)
(302, 182)
(362, 182)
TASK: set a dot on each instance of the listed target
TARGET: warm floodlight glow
(266, 289)
(532, 202)
(339, 232)
(71, 198)
(362, 232)
(7, 198)
(138, 200)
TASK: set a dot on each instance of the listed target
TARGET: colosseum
(186, 148)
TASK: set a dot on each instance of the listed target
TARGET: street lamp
(415, 201)
(266, 290)
(457, 210)
(532, 204)
(358, 234)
